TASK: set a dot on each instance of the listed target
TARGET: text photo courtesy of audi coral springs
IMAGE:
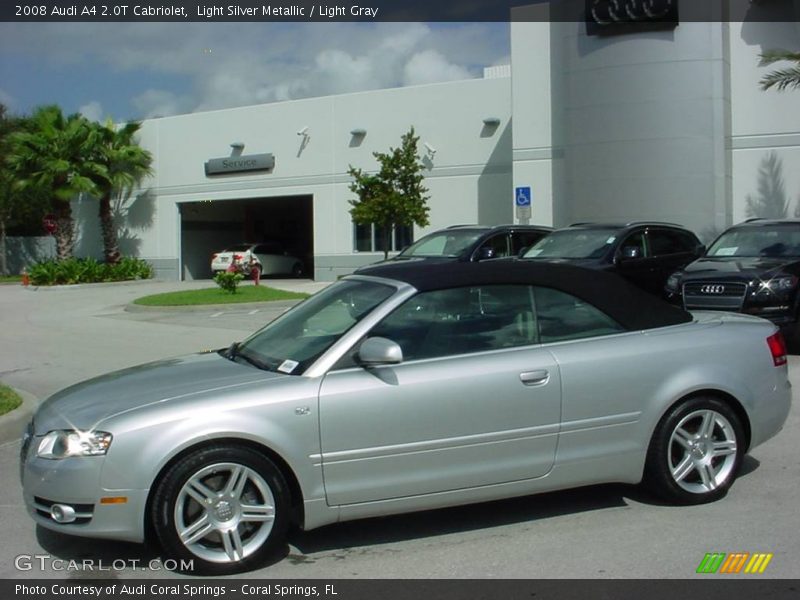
(321, 416)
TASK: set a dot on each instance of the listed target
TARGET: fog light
(62, 513)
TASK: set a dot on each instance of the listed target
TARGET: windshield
(757, 241)
(573, 243)
(293, 341)
(452, 243)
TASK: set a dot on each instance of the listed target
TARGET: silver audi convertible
(403, 388)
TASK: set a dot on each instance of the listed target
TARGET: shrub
(87, 270)
(228, 281)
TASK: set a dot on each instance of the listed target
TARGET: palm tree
(124, 163)
(53, 156)
(781, 79)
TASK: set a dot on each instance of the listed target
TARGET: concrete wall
(667, 125)
(22, 252)
(765, 137)
(469, 175)
(643, 120)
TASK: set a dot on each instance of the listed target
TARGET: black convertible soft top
(628, 305)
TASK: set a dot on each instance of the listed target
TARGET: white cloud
(158, 103)
(170, 68)
(431, 67)
(92, 111)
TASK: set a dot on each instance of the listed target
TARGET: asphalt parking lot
(53, 338)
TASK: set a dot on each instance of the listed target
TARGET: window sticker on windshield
(726, 251)
(611, 239)
(288, 366)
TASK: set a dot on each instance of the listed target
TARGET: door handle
(539, 377)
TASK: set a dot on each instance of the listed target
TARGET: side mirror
(700, 250)
(522, 251)
(379, 351)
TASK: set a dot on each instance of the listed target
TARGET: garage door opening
(211, 226)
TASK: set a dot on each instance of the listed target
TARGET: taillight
(777, 347)
(237, 257)
(214, 256)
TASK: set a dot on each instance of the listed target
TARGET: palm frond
(782, 79)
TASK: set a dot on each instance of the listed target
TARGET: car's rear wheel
(297, 270)
(695, 452)
(223, 507)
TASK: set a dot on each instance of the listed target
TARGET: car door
(639, 268)
(475, 401)
(670, 250)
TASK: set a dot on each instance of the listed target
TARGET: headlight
(778, 284)
(673, 282)
(63, 444)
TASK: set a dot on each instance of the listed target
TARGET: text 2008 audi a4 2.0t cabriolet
(402, 388)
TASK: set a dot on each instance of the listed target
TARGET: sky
(133, 71)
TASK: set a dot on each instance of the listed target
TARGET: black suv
(472, 243)
(752, 268)
(646, 253)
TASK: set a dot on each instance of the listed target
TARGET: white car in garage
(269, 257)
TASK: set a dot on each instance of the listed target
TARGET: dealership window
(369, 238)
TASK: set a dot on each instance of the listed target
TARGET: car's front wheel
(695, 452)
(225, 508)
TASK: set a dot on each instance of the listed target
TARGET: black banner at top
(620, 11)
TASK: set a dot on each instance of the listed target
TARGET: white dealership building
(669, 124)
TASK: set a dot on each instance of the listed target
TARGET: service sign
(239, 164)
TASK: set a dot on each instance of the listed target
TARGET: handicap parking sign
(522, 196)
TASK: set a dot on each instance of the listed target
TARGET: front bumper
(779, 309)
(75, 482)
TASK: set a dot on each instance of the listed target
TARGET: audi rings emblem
(616, 11)
(712, 289)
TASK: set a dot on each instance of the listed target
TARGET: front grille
(714, 295)
(83, 512)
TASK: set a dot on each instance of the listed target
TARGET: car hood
(737, 267)
(85, 404)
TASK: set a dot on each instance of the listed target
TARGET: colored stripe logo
(734, 563)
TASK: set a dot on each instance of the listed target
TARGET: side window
(494, 247)
(523, 239)
(461, 321)
(663, 242)
(633, 246)
(560, 316)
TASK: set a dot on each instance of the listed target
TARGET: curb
(280, 304)
(99, 284)
(12, 424)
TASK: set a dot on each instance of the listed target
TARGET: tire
(297, 270)
(231, 505)
(696, 451)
